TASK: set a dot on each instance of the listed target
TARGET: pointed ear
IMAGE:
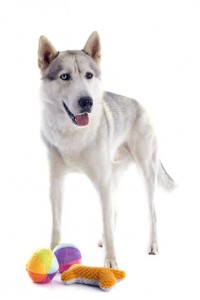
(93, 47)
(46, 53)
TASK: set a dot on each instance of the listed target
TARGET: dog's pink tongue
(82, 120)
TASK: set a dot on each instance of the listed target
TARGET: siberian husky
(94, 132)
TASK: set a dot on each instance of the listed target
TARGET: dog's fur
(99, 138)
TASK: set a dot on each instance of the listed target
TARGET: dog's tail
(164, 180)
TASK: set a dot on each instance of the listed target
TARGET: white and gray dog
(94, 132)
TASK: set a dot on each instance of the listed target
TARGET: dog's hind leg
(144, 150)
(57, 172)
(150, 181)
(149, 169)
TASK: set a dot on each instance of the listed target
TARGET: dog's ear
(93, 47)
(46, 52)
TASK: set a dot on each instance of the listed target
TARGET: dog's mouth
(80, 119)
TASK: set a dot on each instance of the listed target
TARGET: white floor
(173, 274)
(164, 75)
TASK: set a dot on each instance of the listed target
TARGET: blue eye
(65, 76)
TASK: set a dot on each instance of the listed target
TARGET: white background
(150, 51)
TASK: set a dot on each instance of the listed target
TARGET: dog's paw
(100, 243)
(55, 239)
(153, 249)
(110, 263)
(53, 245)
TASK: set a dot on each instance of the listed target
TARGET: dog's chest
(85, 149)
(77, 150)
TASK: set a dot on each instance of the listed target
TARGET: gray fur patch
(53, 71)
(97, 72)
(59, 62)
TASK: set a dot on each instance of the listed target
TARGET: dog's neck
(58, 126)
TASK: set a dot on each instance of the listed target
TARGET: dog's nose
(85, 103)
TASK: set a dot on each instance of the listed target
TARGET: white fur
(119, 132)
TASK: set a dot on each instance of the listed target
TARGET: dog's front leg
(57, 173)
(108, 213)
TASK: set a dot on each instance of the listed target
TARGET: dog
(95, 132)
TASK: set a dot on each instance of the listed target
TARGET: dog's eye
(65, 76)
(88, 75)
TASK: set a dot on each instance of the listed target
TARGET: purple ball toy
(67, 255)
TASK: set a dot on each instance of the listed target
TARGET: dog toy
(67, 255)
(105, 278)
(42, 266)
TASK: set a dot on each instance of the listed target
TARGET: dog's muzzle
(81, 119)
(86, 104)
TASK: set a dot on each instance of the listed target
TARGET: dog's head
(71, 79)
